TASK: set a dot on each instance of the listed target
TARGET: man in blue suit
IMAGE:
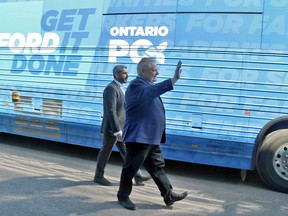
(144, 130)
(112, 125)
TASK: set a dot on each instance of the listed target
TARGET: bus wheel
(272, 160)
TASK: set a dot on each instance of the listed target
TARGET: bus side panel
(68, 50)
(208, 151)
(205, 121)
(274, 26)
(47, 60)
(230, 31)
(220, 6)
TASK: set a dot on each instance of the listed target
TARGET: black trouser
(151, 157)
(105, 152)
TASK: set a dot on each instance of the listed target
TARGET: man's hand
(177, 72)
(119, 136)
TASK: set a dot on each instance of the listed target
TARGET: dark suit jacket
(145, 114)
(113, 107)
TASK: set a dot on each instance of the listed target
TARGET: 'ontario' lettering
(120, 47)
(139, 31)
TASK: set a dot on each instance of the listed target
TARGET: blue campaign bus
(228, 109)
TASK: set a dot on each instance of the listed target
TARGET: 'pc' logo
(139, 49)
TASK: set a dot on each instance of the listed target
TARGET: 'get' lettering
(64, 20)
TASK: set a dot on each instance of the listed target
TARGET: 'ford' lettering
(33, 43)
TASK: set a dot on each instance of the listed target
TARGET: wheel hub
(281, 161)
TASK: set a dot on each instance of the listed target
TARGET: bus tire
(272, 160)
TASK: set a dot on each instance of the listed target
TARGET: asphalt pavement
(42, 178)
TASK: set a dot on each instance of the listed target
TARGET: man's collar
(145, 80)
(118, 83)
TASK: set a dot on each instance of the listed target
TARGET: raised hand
(177, 72)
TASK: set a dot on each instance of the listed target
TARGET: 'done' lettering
(62, 65)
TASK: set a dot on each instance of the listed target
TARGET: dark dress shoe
(102, 181)
(140, 179)
(126, 203)
(173, 197)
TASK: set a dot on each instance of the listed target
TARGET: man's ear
(142, 72)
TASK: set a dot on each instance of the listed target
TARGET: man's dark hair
(118, 69)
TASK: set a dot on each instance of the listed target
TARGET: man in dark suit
(144, 130)
(112, 124)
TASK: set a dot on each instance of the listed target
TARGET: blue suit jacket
(145, 114)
